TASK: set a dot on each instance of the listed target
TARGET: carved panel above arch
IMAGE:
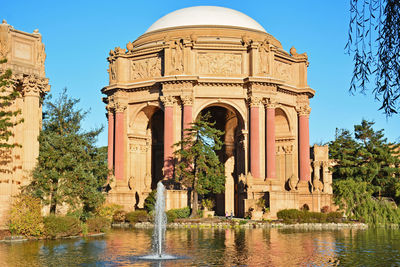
(283, 70)
(146, 68)
(223, 64)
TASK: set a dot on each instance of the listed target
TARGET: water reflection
(215, 247)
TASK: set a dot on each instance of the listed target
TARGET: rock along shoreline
(253, 224)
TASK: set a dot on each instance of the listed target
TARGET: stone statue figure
(292, 182)
(264, 49)
(318, 186)
(177, 57)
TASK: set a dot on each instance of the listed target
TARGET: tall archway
(232, 155)
(146, 141)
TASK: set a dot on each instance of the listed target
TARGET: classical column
(169, 102)
(119, 152)
(255, 136)
(187, 111)
(33, 87)
(304, 144)
(110, 151)
(270, 140)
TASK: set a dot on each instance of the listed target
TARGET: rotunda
(214, 59)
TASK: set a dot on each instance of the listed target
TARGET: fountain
(160, 223)
(160, 220)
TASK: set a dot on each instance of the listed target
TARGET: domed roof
(205, 15)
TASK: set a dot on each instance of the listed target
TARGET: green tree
(367, 157)
(8, 116)
(198, 166)
(374, 41)
(70, 169)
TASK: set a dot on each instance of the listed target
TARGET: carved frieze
(219, 63)
(146, 68)
(283, 70)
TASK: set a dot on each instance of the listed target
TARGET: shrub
(98, 224)
(325, 209)
(178, 214)
(137, 216)
(150, 201)
(108, 210)
(289, 215)
(119, 216)
(334, 216)
(25, 216)
(61, 226)
(208, 204)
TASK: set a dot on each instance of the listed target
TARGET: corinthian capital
(34, 86)
(271, 103)
(168, 101)
(187, 100)
(119, 107)
(303, 111)
(255, 101)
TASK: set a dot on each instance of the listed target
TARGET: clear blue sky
(79, 34)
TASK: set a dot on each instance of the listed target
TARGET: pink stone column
(255, 139)
(187, 111)
(304, 145)
(110, 153)
(168, 136)
(270, 141)
(119, 145)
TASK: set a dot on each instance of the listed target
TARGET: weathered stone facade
(25, 56)
(256, 91)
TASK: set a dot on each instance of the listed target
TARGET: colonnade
(116, 146)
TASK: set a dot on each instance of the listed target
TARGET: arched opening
(232, 155)
(284, 139)
(146, 142)
(157, 147)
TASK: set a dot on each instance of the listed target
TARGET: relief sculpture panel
(146, 68)
(219, 63)
(283, 71)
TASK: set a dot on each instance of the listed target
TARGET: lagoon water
(214, 247)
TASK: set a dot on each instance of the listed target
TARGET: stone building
(214, 59)
(25, 57)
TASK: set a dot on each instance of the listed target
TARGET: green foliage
(207, 203)
(198, 166)
(137, 216)
(8, 94)
(70, 168)
(98, 224)
(356, 199)
(374, 32)
(367, 157)
(178, 214)
(119, 216)
(61, 226)
(108, 210)
(150, 201)
(302, 216)
(25, 216)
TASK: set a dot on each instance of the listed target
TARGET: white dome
(205, 15)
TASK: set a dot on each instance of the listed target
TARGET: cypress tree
(198, 166)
